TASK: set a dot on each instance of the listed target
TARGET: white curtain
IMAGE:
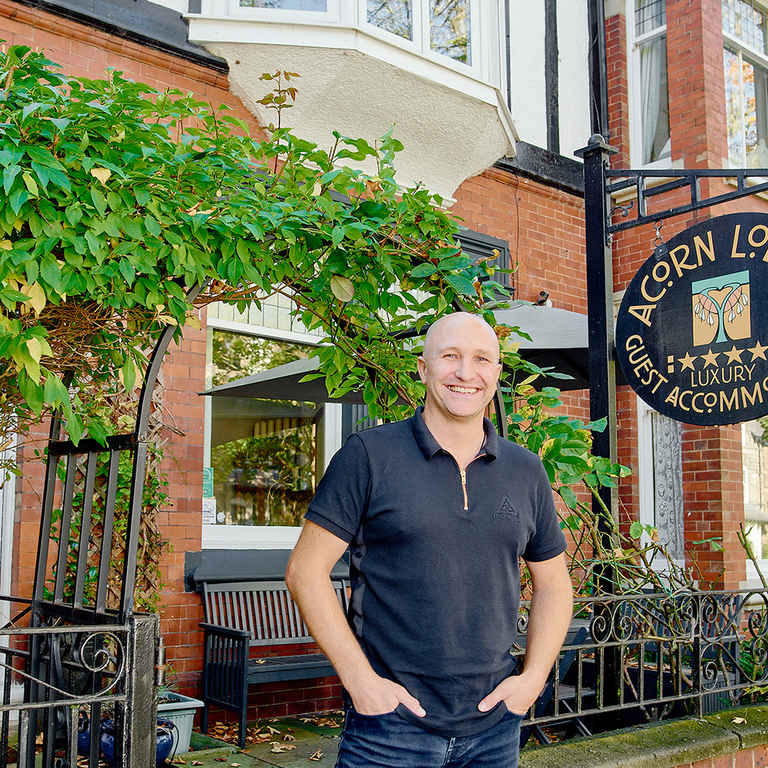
(651, 62)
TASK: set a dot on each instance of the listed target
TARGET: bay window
(745, 67)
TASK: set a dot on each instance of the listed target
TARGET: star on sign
(734, 356)
(687, 361)
(757, 351)
(711, 358)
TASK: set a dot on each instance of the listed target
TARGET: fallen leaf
(272, 730)
(317, 756)
(221, 759)
(261, 661)
(739, 720)
(196, 762)
(288, 737)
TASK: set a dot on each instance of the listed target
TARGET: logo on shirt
(506, 511)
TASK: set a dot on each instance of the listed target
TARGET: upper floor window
(287, 5)
(439, 26)
(745, 66)
(651, 96)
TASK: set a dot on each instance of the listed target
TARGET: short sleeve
(548, 541)
(343, 492)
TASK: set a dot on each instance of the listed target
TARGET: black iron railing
(59, 678)
(630, 659)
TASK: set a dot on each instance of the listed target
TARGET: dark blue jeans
(388, 741)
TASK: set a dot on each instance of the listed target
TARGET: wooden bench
(243, 615)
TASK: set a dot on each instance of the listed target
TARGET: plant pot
(166, 731)
(180, 710)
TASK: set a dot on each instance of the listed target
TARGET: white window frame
(635, 89)
(753, 578)
(263, 536)
(761, 59)
(341, 18)
(645, 475)
(232, 8)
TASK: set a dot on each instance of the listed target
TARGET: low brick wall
(714, 741)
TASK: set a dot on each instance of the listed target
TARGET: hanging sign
(692, 330)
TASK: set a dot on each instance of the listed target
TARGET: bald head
(442, 330)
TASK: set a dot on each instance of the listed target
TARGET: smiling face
(460, 367)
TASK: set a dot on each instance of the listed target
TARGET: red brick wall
(754, 757)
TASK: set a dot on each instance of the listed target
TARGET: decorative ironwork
(680, 654)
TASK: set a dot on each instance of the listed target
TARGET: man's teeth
(467, 390)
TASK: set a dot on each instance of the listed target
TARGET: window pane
(392, 15)
(754, 454)
(746, 104)
(654, 100)
(745, 21)
(263, 452)
(733, 111)
(649, 15)
(449, 28)
(288, 5)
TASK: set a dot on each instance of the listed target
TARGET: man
(436, 510)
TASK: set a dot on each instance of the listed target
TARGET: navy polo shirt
(434, 563)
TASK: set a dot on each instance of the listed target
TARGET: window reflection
(746, 104)
(263, 452)
(288, 5)
(447, 23)
(449, 28)
(393, 16)
(754, 457)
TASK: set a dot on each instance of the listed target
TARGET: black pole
(602, 377)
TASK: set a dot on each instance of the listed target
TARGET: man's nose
(465, 369)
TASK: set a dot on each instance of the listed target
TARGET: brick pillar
(696, 84)
(714, 503)
(618, 88)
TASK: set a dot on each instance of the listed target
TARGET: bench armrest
(215, 629)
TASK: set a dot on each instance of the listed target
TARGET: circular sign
(692, 330)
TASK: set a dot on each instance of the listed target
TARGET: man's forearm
(548, 621)
(308, 578)
(313, 591)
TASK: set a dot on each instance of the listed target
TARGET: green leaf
(99, 201)
(461, 284)
(636, 530)
(342, 288)
(17, 199)
(424, 270)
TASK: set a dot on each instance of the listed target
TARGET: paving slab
(300, 741)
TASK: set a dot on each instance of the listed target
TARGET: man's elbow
(293, 573)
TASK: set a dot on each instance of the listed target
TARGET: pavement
(288, 742)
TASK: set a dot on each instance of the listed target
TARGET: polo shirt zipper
(463, 473)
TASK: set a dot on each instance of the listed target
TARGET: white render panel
(449, 133)
(573, 43)
(527, 70)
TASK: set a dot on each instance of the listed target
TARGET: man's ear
(422, 366)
